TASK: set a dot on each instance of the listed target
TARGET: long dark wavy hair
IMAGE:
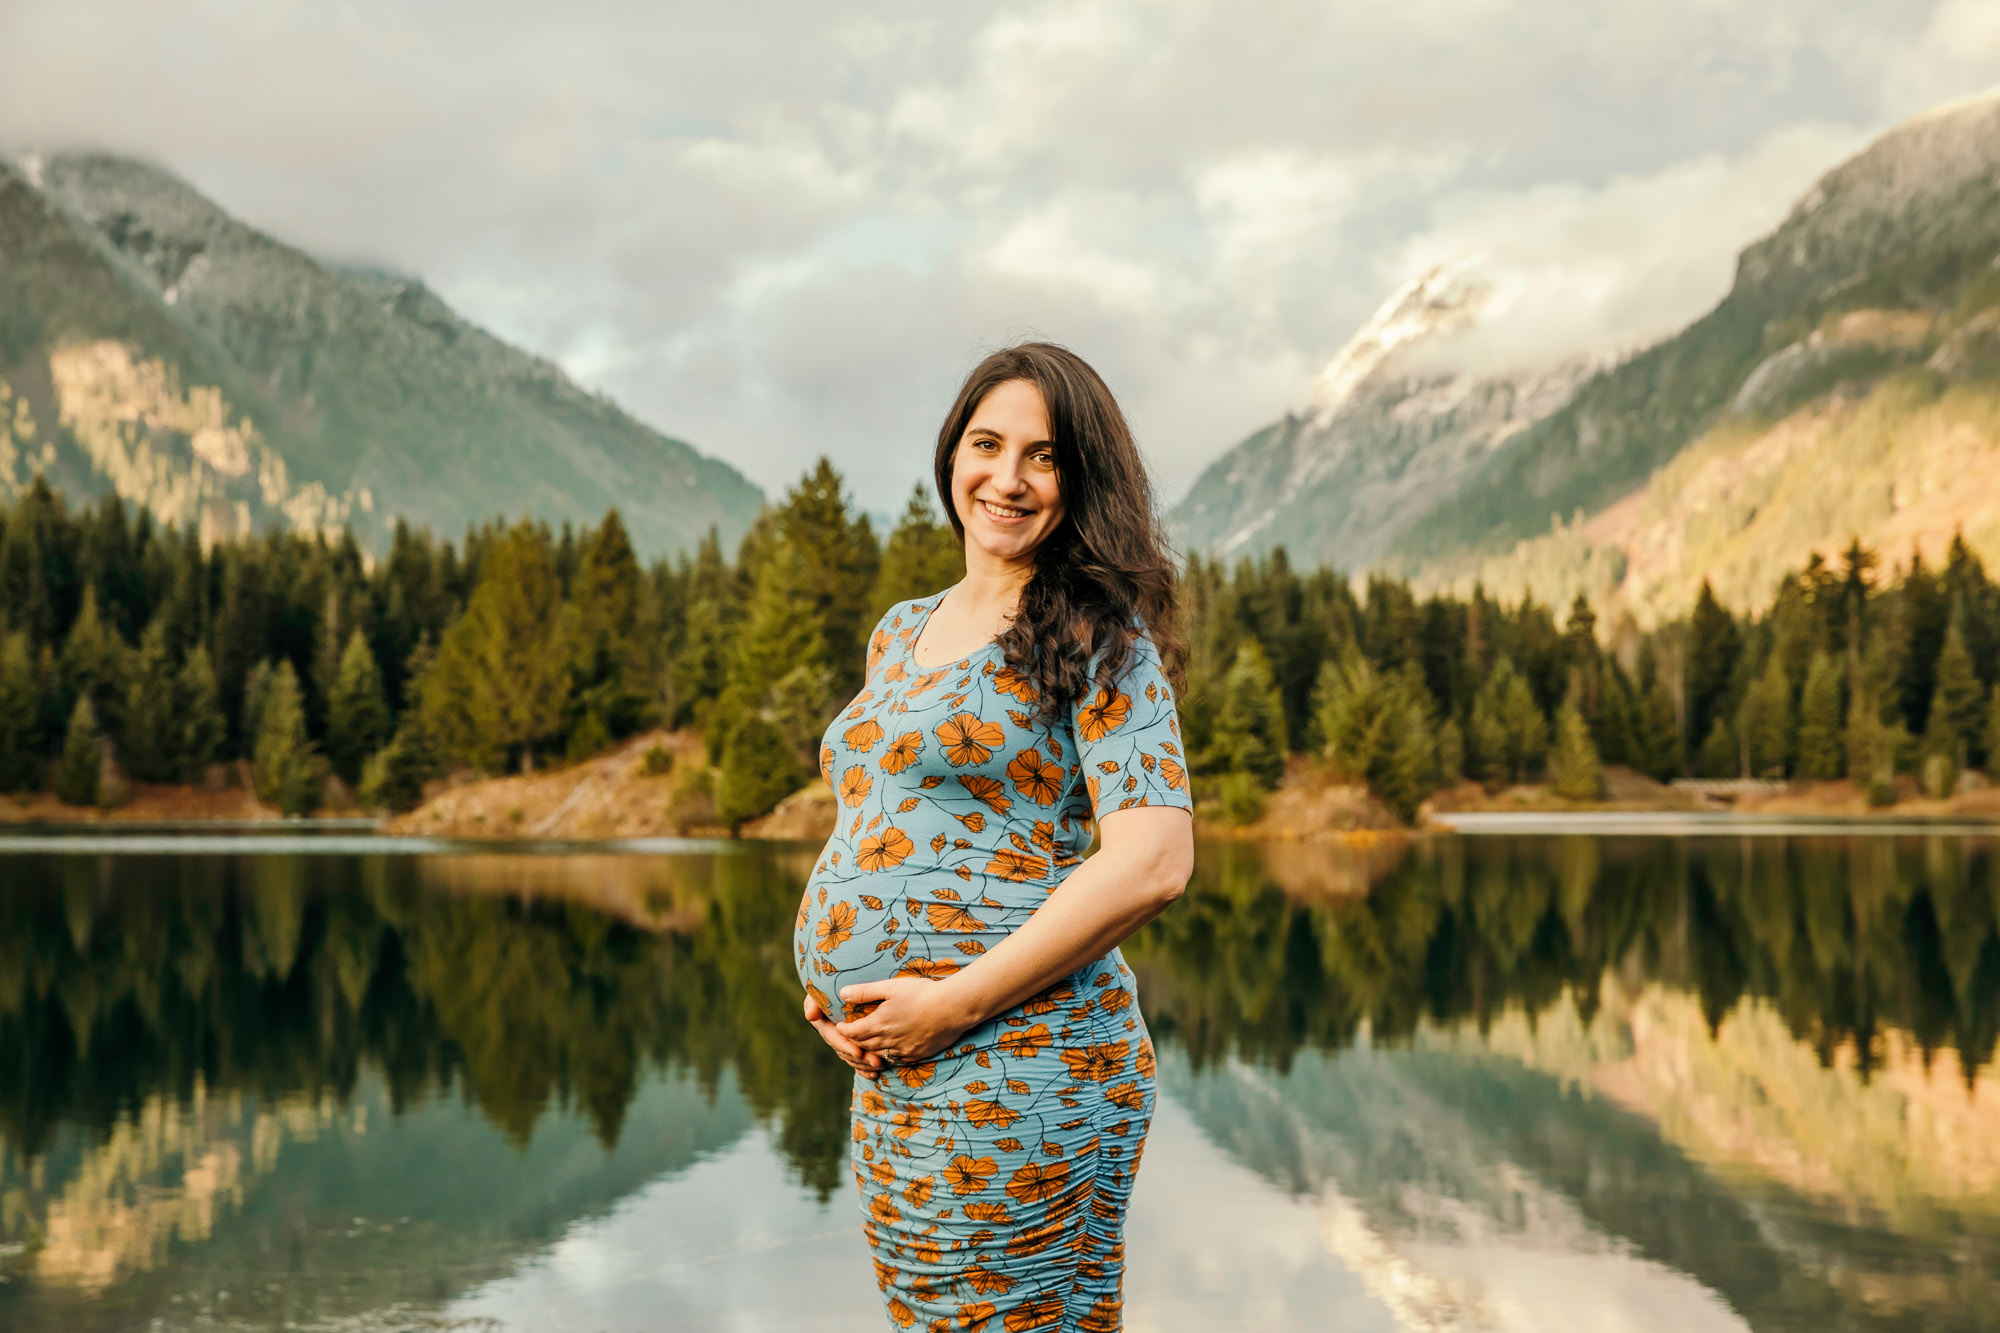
(1107, 561)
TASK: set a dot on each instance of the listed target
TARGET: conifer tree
(149, 723)
(922, 556)
(1721, 754)
(1956, 721)
(1407, 769)
(501, 679)
(21, 761)
(1714, 645)
(613, 677)
(198, 710)
(1510, 732)
(840, 556)
(93, 659)
(285, 764)
(1764, 721)
(777, 637)
(79, 773)
(1820, 723)
(1993, 731)
(1573, 766)
(1660, 745)
(1248, 734)
(759, 769)
(357, 714)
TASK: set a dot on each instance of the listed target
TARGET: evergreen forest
(129, 652)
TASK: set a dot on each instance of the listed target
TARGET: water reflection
(1606, 1082)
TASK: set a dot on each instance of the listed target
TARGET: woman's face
(1003, 475)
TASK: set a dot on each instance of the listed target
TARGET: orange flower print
(1175, 775)
(968, 739)
(968, 1175)
(862, 735)
(1105, 714)
(885, 850)
(1035, 777)
(904, 1316)
(1017, 866)
(950, 916)
(855, 784)
(1034, 1181)
(928, 967)
(835, 926)
(1008, 680)
(902, 752)
(987, 791)
(975, 1316)
(1099, 1062)
(1026, 1044)
(894, 673)
(988, 1114)
(1126, 1095)
(826, 764)
(883, 1209)
(1103, 1314)
(915, 1076)
(1145, 1063)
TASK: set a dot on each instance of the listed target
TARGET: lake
(1643, 1081)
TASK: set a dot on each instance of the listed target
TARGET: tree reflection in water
(137, 994)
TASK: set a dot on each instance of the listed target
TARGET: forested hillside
(527, 645)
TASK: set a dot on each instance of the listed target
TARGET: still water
(1511, 1083)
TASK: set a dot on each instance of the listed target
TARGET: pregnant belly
(898, 928)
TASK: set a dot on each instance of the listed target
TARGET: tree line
(519, 645)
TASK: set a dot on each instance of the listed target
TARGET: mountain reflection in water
(1728, 1081)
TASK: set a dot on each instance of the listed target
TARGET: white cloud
(1576, 269)
(778, 228)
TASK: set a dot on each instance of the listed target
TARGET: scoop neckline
(910, 650)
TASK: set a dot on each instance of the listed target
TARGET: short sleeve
(1128, 737)
(883, 636)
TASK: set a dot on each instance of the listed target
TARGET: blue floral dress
(994, 1177)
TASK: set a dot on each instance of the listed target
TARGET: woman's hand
(863, 1061)
(912, 1019)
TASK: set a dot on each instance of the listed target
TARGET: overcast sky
(781, 228)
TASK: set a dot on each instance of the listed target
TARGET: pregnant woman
(955, 946)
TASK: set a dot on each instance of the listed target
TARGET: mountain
(1381, 444)
(153, 346)
(1847, 385)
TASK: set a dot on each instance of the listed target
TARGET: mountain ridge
(376, 397)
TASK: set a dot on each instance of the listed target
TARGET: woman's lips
(1006, 513)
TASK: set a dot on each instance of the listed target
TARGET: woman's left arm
(1143, 863)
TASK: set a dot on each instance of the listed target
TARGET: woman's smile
(1000, 513)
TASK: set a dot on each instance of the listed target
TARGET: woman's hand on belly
(864, 1062)
(913, 1018)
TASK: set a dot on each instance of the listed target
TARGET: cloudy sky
(781, 228)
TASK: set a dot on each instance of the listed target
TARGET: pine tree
(1348, 714)
(149, 732)
(1573, 766)
(1660, 745)
(759, 769)
(198, 710)
(1714, 644)
(1993, 731)
(79, 773)
(841, 559)
(922, 556)
(93, 660)
(394, 776)
(357, 714)
(777, 637)
(1510, 732)
(1956, 721)
(502, 676)
(21, 761)
(613, 673)
(1764, 721)
(1720, 756)
(1248, 735)
(1406, 771)
(286, 766)
(1820, 723)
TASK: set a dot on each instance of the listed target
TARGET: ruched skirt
(995, 1177)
